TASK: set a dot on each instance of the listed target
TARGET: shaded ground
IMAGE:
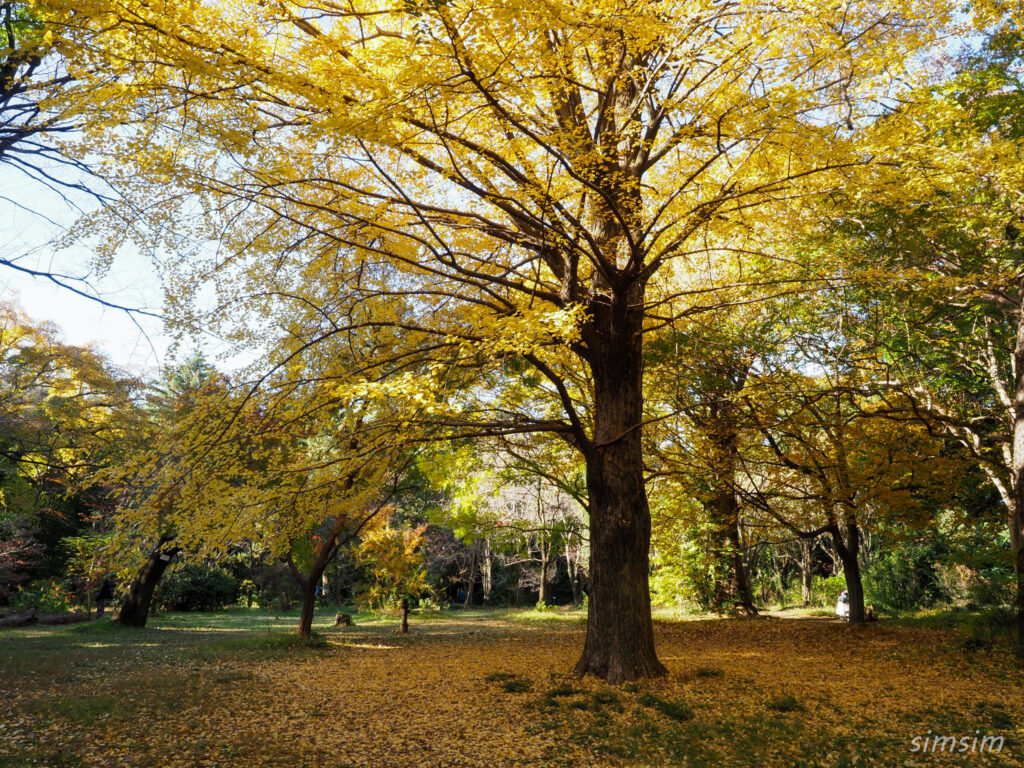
(491, 690)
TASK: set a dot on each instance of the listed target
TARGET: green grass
(271, 642)
(706, 672)
(517, 685)
(674, 710)
(499, 677)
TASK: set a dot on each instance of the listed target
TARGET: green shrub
(825, 592)
(199, 588)
(45, 596)
(904, 579)
(278, 589)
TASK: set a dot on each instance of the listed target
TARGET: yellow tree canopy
(500, 162)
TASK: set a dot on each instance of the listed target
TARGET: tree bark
(732, 586)
(135, 608)
(1016, 508)
(619, 644)
(806, 566)
(405, 616)
(545, 552)
(470, 581)
(574, 576)
(308, 605)
(723, 380)
(487, 572)
(848, 550)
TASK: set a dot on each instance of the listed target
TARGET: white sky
(31, 216)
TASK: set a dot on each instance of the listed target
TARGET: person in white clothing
(843, 605)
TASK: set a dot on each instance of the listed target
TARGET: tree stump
(343, 620)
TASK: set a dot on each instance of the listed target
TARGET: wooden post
(405, 616)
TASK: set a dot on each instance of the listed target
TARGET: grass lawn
(491, 689)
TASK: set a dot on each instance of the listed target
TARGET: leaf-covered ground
(491, 690)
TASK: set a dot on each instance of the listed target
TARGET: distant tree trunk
(619, 644)
(330, 544)
(806, 566)
(574, 581)
(732, 584)
(405, 615)
(135, 608)
(545, 556)
(487, 572)
(470, 581)
(308, 587)
(742, 595)
(848, 549)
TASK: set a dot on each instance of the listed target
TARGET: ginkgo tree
(517, 183)
(935, 244)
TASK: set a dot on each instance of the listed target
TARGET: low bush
(199, 588)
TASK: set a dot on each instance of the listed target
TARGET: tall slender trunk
(619, 644)
(487, 572)
(545, 553)
(135, 608)
(732, 587)
(1017, 542)
(574, 572)
(470, 581)
(806, 566)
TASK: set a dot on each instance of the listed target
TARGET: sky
(31, 218)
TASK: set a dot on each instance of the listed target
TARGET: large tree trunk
(848, 550)
(1016, 507)
(743, 597)
(136, 605)
(619, 644)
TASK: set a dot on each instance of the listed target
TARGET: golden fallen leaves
(492, 692)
